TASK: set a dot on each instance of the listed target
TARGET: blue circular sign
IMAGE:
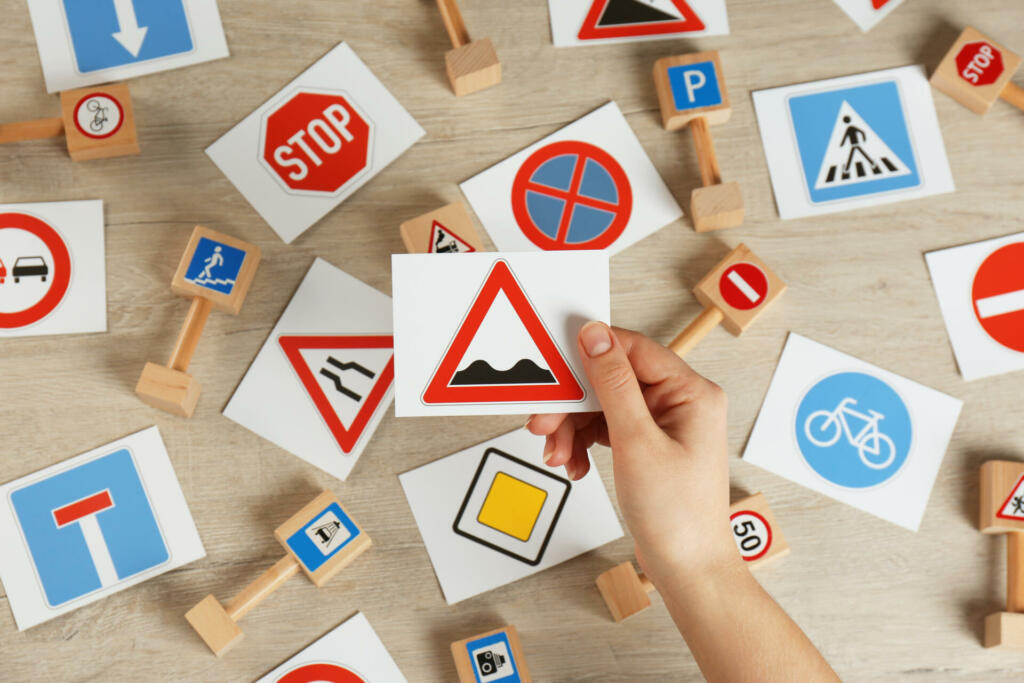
(853, 429)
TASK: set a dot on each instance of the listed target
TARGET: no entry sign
(998, 295)
(743, 286)
(979, 63)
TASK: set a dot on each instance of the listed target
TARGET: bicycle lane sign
(853, 430)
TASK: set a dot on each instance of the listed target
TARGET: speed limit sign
(752, 534)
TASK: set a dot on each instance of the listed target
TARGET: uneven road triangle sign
(1013, 506)
(627, 18)
(346, 377)
(444, 241)
(466, 373)
(856, 154)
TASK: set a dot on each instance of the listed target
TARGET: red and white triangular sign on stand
(1013, 506)
(562, 385)
(631, 18)
(879, 4)
(438, 244)
(366, 402)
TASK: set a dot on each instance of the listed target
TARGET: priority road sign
(998, 296)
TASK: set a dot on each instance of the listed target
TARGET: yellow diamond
(512, 506)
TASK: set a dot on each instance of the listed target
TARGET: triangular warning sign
(628, 18)
(345, 376)
(879, 4)
(1013, 506)
(462, 379)
(855, 154)
(444, 241)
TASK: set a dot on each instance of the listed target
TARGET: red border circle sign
(571, 195)
(997, 295)
(321, 672)
(61, 270)
(768, 534)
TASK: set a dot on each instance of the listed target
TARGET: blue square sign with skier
(215, 266)
(853, 141)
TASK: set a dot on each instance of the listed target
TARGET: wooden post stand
(97, 123)
(977, 71)
(216, 271)
(734, 293)
(321, 539)
(1002, 511)
(448, 230)
(691, 90)
(471, 64)
(493, 656)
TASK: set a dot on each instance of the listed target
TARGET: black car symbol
(28, 266)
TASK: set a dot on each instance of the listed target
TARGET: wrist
(684, 577)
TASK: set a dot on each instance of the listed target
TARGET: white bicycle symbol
(876, 449)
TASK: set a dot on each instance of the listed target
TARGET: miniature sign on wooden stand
(321, 540)
(448, 230)
(691, 90)
(493, 656)
(734, 293)
(1002, 512)
(471, 64)
(96, 122)
(757, 536)
(976, 72)
(216, 271)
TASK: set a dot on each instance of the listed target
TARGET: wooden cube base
(624, 591)
(716, 206)
(1005, 630)
(472, 67)
(499, 667)
(168, 389)
(214, 626)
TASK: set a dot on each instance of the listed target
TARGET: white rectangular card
(852, 142)
(315, 142)
(325, 376)
(589, 185)
(92, 525)
(980, 288)
(495, 513)
(52, 268)
(853, 431)
(594, 22)
(867, 13)
(82, 43)
(494, 334)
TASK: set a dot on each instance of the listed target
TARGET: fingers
(652, 362)
(558, 448)
(611, 374)
(545, 424)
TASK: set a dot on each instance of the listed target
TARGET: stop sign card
(486, 334)
(589, 185)
(592, 22)
(852, 142)
(324, 378)
(980, 288)
(867, 13)
(852, 431)
(315, 142)
(52, 272)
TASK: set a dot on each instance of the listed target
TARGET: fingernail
(569, 470)
(595, 338)
(527, 425)
(548, 455)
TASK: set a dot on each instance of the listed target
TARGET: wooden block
(624, 591)
(975, 70)
(1002, 497)
(99, 122)
(690, 86)
(741, 286)
(441, 231)
(168, 389)
(323, 538)
(217, 267)
(493, 656)
(716, 206)
(1004, 630)
(38, 129)
(472, 67)
(755, 531)
(214, 626)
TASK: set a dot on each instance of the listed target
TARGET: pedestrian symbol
(215, 265)
(315, 543)
(444, 241)
(1013, 506)
(855, 154)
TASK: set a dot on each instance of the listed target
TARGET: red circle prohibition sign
(571, 195)
(83, 131)
(767, 529)
(61, 269)
(321, 672)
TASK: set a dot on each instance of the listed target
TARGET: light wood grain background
(880, 602)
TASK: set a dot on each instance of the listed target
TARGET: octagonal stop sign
(316, 142)
(979, 63)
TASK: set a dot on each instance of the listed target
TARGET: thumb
(611, 374)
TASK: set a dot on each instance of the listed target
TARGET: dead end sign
(998, 295)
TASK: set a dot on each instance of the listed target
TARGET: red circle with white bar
(998, 295)
(60, 275)
(743, 286)
(324, 672)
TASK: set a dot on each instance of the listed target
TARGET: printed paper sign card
(351, 653)
(494, 513)
(852, 142)
(83, 43)
(487, 334)
(315, 142)
(853, 431)
(91, 526)
(591, 22)
(323, 380)
(52, 269)
(589, 185)
(980, 288)
(867, 13)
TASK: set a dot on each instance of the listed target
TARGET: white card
(315, 142)
(325, 376)
(867, 13)
(593, 22)
(536, 200)
(93, 525)
(495, 513)
(494, 334)
(351, 652)
(853, 431)
(980, 288)
(851, 142)
(52, 268)
(83, 43)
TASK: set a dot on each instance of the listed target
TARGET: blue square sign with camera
(215, 266)
(323, 537)
(694, 85)
(491, 658)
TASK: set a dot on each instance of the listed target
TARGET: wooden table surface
(881, 603)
